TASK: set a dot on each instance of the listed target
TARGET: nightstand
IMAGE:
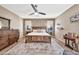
(28, 31)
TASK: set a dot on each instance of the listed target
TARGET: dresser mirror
(4, 23)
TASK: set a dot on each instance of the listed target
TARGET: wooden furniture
(38, 27)
(38, 35)
(3, 40)
(67, 41)
(71, 41)
(28, 31)
(38, 38)
(13, 36)
(8, 37)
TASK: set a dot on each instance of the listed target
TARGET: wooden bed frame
(38, 38)
(44, 39)
(38, 27)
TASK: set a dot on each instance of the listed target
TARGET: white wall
(21, 27)
(16, 21)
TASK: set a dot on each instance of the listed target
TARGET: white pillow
(34, 30)
(43, 30)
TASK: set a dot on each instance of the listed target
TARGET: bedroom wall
(64, 21)
(39, 22)
(16, 21)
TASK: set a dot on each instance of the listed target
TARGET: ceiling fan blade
(31, 14)
(42, 13)
(34, 8)
(36, 11)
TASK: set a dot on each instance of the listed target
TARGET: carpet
(70, 52)
(36, 49)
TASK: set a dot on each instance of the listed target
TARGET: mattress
(39, 34)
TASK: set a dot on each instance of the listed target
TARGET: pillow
(43, 30)
(39, 30)
(34, 30)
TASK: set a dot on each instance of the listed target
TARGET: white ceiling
(51, 10)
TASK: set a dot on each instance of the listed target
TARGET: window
(28, 25)
(49, 24)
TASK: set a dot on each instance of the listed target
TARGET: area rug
(36, 49)
(70, 52)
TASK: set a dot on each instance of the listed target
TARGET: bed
(38, 35)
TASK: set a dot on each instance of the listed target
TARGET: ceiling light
(35, 13)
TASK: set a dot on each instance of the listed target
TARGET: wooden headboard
(37, 27)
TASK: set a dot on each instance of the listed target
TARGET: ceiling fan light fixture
(35, 13)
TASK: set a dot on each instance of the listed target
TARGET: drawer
(12, 41)
(4, 41)
(3, 36)
(10, 37)
(3, 45)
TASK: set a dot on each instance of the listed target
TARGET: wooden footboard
(45, 39)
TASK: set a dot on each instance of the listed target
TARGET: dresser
(8, 37)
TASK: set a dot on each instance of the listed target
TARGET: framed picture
(74, 18)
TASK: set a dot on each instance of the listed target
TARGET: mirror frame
(6, 19)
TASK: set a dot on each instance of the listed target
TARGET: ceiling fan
(36, 11)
